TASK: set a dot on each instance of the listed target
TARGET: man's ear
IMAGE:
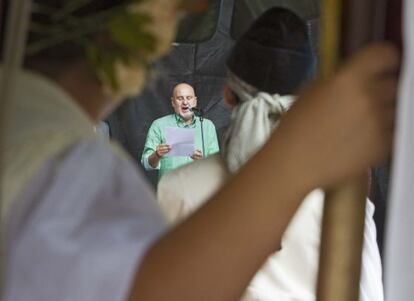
(229, 97)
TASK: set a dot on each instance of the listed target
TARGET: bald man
(156, 149)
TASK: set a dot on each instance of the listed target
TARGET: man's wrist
(157, 155)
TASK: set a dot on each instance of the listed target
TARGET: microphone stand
(200, 114)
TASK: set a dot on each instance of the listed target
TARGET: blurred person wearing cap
(267, 66)
(156, 148)
(80, 222)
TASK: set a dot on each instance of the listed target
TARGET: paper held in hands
(181, 141)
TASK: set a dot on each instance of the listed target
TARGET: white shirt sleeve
(80, 229)
(371, 286)
(148, 166)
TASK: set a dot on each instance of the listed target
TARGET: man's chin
(187, 116)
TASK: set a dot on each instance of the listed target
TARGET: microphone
(197, 111)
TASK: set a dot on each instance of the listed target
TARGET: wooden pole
(18, 16)
(346, 26)
(342, 239)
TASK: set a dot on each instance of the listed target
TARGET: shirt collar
(181, 123)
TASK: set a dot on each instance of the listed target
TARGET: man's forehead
(183, 89)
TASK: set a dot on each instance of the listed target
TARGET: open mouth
(185, 109)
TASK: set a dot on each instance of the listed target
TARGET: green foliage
(104, 63)
(127, 30)
(124, 33)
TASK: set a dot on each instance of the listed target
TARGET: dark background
(198, 57)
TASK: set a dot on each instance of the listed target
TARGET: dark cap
(275, 54)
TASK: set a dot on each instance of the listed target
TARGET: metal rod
(202, 132)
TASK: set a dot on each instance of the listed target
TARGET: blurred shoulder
(200, 173)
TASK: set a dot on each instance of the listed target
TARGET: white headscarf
(252, 122)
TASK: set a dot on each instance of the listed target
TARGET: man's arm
(155, 158)
(213, 145)
(154, 149)
(335, 131)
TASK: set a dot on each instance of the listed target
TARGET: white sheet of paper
(181, 141)
(399, 251)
